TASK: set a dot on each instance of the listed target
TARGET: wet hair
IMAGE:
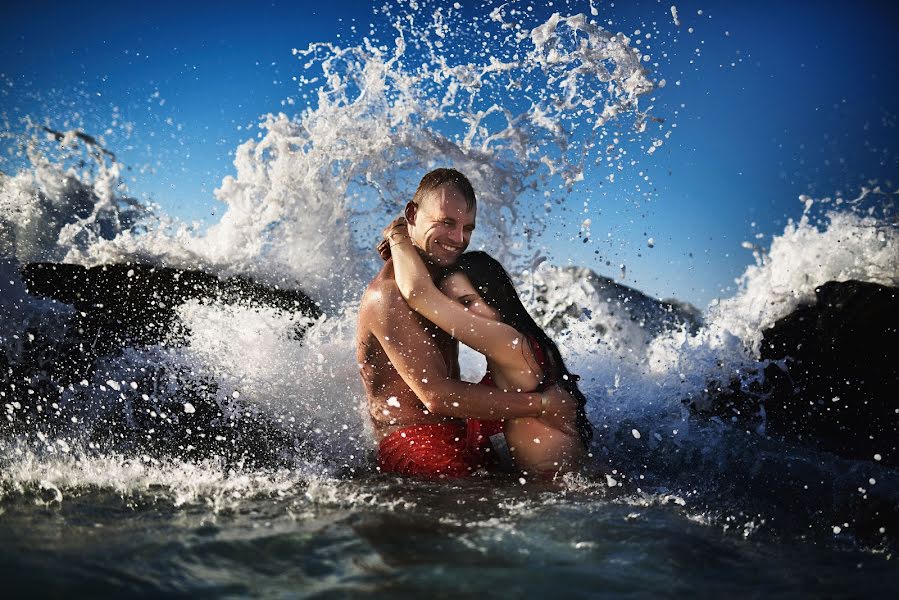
(495, 286)
(439, 178)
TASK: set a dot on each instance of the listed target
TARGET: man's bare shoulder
(382, 294)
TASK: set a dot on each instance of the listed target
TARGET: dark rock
(838, 389)
(842, 354)
(616, 311)
(135, 304)
(48, 372)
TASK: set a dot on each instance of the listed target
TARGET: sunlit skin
(410, 367)
(536, 446)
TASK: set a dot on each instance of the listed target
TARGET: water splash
(298, 210)
(525, 115)
(846, 245)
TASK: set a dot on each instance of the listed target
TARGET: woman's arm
(418, 361)
(501, 343)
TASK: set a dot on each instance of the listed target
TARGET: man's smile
(448, 248)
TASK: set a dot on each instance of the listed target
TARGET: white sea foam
(53, 208)
(849, 246)
(55, 478)
(206, 482)
(309, 385)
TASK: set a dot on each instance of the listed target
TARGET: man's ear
(409, 212)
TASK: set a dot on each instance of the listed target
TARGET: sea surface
(379, 536)
(233, 457)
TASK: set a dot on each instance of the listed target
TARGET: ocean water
(238, 462)
(383, 537)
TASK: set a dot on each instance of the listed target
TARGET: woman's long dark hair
(495, 286)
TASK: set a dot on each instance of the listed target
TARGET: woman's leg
(539, 449)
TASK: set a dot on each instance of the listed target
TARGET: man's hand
(396, 227)
(561, 411)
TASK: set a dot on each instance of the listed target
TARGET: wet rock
(835, 383)
(94, 358)
(842, 354)
(622, 315)
(136, 304)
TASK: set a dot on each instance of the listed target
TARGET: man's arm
(416, 357)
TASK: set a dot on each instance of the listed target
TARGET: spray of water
(304, 204)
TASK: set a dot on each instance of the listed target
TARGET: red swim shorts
(439, 450)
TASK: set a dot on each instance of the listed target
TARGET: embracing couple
(427, 298)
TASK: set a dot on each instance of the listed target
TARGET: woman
(477, 304)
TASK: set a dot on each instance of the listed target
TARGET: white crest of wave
(308, 195)
(206, 482)
(54, 479)
(51, 209)
(591, 57)
(845, 246)
(627, 376)
(805, 256)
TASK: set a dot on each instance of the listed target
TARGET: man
(410, 367)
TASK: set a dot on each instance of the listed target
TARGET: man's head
(441, 216)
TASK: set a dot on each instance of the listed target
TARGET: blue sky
(781, 99)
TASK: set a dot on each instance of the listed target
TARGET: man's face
(442, 226)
